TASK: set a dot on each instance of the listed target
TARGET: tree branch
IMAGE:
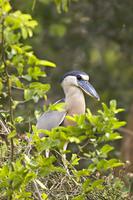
(6, 132)
(126, 131)
(5, 129)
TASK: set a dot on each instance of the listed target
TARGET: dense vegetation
(86, 169)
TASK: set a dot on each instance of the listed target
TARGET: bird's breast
(75, 106)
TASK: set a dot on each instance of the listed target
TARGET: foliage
(20, 68)
(31, 166)
(25, 172)
(20, 71)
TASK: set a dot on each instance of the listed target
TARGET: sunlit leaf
(106, 149)
(45, 63)
(12, 134)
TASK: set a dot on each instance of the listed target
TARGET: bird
(74, 84)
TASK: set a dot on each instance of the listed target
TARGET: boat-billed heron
(74, 84)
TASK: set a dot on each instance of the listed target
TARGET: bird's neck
(75, 101)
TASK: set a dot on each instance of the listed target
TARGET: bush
(58, 175)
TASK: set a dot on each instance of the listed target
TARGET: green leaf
(28, 94)
(97, 184)
(6, 6)
(83, 172)
(19, 119)
(36, 72)
(119, 124)
(1, 85)
(12, 134)
(74, 160)
(27, 77)
(41, 184)
(45, 63)
(105, 108)
(57, 106)
(101, 164)
(79, 197)
(62, 5)
(113, 105)
(44, 196)
(114, 136)
(15, 81)
(39, 88)
(113, 163)
(29, 176)
(86, 184)
(74, 139)
(24, 32)
(106, 149)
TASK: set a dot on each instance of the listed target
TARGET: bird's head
(81, 80)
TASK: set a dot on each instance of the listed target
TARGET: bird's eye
(79, 77)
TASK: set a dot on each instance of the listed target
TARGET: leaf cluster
(20, 69)
(31, 166)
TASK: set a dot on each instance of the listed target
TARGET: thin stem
(64, 160)
(5, 129)
(17, 88)
(37, 190)
(33, 5)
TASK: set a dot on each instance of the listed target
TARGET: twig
(64, 160)
(29, 147)
(69, 175)
(34, 4)
(6, 130)
(17, 88)
(37, 190)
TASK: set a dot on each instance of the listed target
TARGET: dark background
(95, 37)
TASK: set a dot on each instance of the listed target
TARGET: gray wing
(51, 119)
